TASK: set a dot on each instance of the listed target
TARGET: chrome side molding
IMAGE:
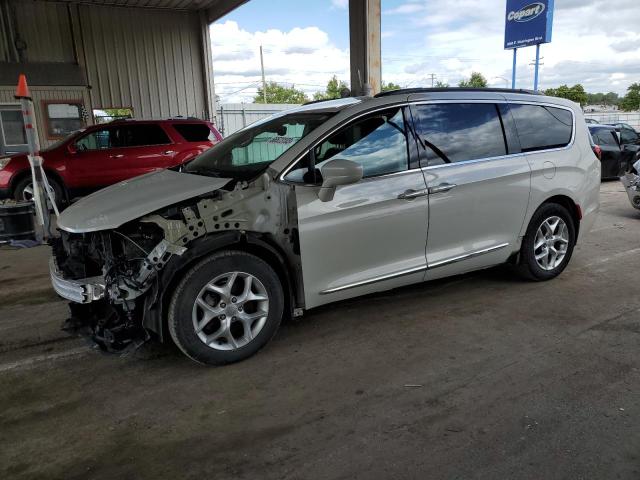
(466, 256)
(409, 271)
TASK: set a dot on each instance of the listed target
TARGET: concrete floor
(481, 376)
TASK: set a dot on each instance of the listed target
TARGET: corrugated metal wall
(149, 60)
(41, 94)
(45, 29)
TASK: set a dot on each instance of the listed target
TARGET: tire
(200, 301)
(533, 268)
(20, 190)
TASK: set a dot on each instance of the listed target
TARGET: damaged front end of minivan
(631, 182)
(119, 270)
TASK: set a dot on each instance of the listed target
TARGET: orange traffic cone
(22, 91)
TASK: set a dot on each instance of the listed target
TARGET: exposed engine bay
(118, 279)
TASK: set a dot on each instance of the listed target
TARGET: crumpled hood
(125, 201)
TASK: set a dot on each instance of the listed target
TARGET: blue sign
(528, 23)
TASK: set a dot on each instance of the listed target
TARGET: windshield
(247, 153)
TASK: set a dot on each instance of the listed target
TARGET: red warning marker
(22, 91)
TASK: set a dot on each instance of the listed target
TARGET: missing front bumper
(631, 184)
(85, 290)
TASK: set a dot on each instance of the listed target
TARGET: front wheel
(548, 244)
(23, 190)
(226, 308)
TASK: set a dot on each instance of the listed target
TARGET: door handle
(411, 194)
(116, 156)
(168, 152)
(443, 187)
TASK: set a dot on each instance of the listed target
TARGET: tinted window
(378, 143)
(194, 132)
(628, 135)
(456, 132)
(100, 139)
(541, 127)
(143, 135)
(605, 137)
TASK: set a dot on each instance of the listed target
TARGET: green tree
(387, 87)
(575, 93)
(610, 98)
(335, 89)
(280, 94)
(440, 84)
(631, 101)
(477, 80)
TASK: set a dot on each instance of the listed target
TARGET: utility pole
(264, 83)
(433, 77)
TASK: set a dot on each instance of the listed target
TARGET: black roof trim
(407, 91)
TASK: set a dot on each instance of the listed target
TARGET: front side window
(100, 140)
(457, 132)
(251, 150)
(377, 142)
(541, 127)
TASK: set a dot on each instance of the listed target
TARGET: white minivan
(325, 202)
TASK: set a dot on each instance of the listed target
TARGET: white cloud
(304, 57)
(591, 42)
(406, 8)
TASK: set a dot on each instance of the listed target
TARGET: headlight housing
(4, 162)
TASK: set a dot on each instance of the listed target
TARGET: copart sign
(528, 23)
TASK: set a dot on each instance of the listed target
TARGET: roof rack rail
(407, 91)
(311, 102)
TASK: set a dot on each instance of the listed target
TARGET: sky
(595, 43)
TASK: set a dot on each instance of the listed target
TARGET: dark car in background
(102, 155)
(614, 157)
(628, 134)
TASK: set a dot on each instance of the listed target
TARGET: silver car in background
(326, 202)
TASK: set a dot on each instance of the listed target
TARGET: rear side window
(195, 132)
(605, 137)
(540, 127)
(456, 132)
(144, 135)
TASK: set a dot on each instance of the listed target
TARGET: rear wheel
(226, 308)
(548, 244)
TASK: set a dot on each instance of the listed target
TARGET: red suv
(102, 155)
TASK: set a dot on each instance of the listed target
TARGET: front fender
(157, 299)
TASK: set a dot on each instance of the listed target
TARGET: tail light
(597, 150)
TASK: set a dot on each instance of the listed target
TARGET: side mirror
(338, 172)
(72, 148)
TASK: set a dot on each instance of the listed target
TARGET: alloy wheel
(230, 311)
(551, 243)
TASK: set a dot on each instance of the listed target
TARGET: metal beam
(207, 70)
(364, 40)
(221, 7)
